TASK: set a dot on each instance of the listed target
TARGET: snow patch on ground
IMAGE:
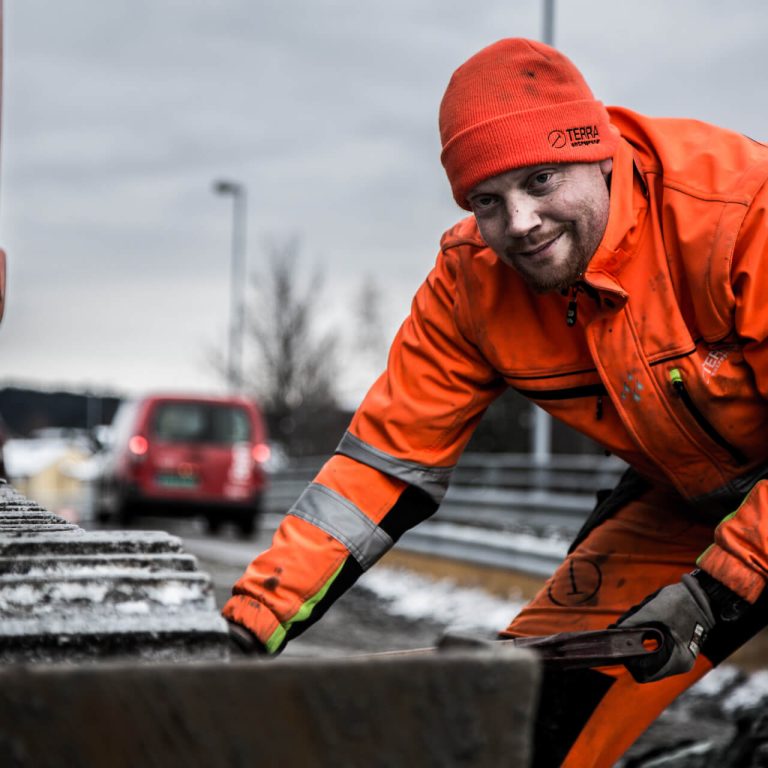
(715, 682)
(750, 695)
(416, 597)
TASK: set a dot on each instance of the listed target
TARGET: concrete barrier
(441, 710)
(133, 602)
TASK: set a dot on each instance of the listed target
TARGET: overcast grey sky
(118, 116)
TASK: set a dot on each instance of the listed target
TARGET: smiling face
(544, 221)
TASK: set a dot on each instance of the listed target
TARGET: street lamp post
(548, 22)
(237, 281)
(541, 432)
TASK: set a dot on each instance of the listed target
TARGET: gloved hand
(243, 642)
(685, 612)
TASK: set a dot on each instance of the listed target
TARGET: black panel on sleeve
(412, 507)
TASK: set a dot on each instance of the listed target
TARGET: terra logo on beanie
(516, 103)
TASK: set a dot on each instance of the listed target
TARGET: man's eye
(483, 201)
(540, 182)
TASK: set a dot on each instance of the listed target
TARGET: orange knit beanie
(516, 103)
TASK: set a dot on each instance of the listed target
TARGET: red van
(186, 455)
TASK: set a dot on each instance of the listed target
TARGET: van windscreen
(216, 423)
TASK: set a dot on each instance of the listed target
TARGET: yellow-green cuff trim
(277, 638)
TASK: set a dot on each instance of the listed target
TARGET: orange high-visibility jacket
(666, 366)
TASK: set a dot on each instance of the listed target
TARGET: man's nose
(522, 216)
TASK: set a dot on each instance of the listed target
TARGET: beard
(560, 271)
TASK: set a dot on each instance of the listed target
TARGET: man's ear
(606, 166)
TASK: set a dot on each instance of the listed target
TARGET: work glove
(242, 642)
(685, 613)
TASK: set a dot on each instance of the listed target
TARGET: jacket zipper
(679, 386)
(570, 312)
(572, 309)
(587, 390)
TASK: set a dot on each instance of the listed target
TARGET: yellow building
(55, 473)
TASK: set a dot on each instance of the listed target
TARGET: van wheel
(213, 524)
(246, 524)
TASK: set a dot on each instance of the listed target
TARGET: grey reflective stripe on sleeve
(432, 480)
(340, 518)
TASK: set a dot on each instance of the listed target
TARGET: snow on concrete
(134, 608)
(175, 594)
(21, 595)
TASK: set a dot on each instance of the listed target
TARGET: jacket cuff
(724, 603)
(255, 617)
(732, 572)
(244, 640)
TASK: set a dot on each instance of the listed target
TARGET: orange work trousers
(588, 718)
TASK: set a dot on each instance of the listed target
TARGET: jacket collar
(628, 200)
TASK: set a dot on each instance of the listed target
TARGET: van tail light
(138, 446)
(261, 452)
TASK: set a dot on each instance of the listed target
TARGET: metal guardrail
(501, 510)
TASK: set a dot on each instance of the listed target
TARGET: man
(612, 271)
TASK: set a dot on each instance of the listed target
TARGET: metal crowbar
(598, 648)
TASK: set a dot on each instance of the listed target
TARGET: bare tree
(371, 339)
(295, 372)
(366, 341)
